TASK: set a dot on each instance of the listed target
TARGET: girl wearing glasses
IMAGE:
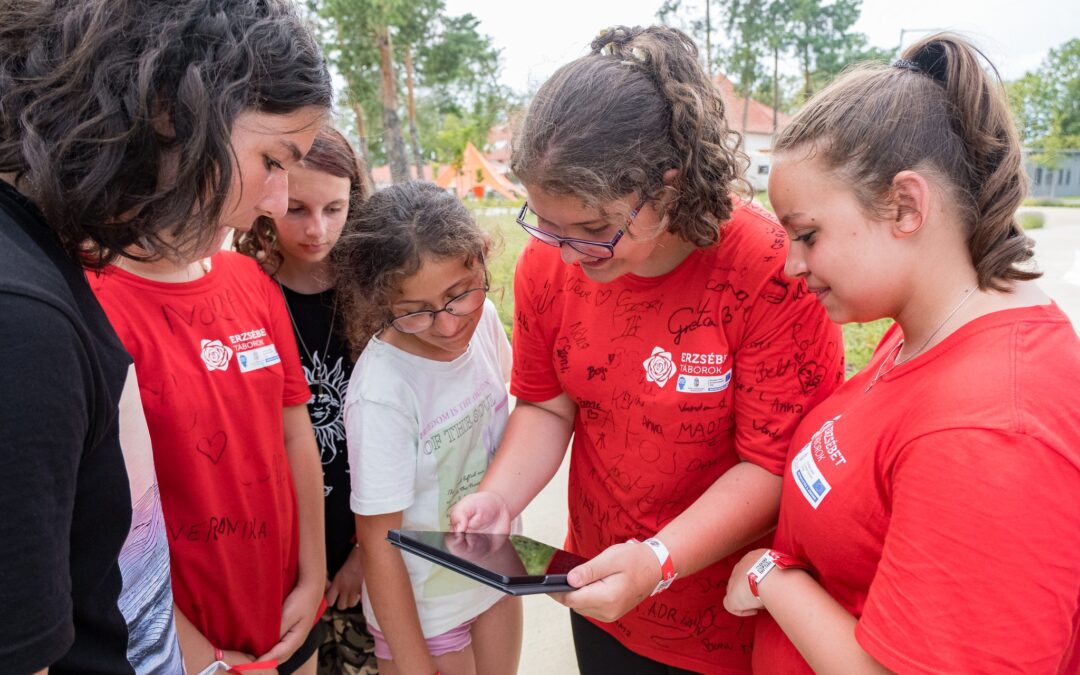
(294, 248)
(425, 410)
(654, 325)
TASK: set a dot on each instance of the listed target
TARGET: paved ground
(548, 648)
(1057, 254)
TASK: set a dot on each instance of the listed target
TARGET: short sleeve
(789, 359)
(502, 344)
(981, 562)
(45, 422)
(533, 377)
(382, 444)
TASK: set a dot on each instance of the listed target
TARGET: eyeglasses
(462, 305)
(593, 249)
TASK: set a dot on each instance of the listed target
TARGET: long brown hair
(385, 243)
(116, 115)
(937, 110)
(330, 153)
(615, 121)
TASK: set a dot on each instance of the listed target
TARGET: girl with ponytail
(929, 506)
(655, 326)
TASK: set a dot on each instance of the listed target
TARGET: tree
(820, 35)
(414, 31)
(460, 69)
(1046, 103)
(746, 23)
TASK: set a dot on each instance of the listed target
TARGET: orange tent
(476, 171)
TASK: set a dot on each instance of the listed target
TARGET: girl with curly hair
(655, 327)
(134, 131)
(426, 407)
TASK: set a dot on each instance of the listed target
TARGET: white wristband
(667, 567)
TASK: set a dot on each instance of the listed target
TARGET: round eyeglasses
(462, 305)
(594, 249)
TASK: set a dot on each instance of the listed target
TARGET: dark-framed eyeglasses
(593, 249)
(461, 305)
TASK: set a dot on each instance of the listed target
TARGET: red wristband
(765, 564)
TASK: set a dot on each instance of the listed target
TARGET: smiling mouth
(819, 291)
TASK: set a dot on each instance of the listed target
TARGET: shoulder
(1004, 372)
(239, 264)
(540, 261)
(381, 376)
(753, 235)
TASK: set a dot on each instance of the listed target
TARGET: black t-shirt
(327, 366)
(65, 503)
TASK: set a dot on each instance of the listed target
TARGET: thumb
(459, 518)
(589, 572)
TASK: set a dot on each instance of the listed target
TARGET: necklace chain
(894, 354)
(300, 338)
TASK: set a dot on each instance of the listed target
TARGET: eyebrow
(459, 282)
(582, 223)
(788, 217)
(293, 149)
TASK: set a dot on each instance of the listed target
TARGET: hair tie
(904, 64)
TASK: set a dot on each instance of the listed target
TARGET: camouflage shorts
(347, 648)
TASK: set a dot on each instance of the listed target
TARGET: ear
(670, 175)
(911, 197)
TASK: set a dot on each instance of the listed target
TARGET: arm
(45, 420)
(533, 447)
(391, 594)
(298, 611)
(344, 590)
(623, 575)
(821, 629)
(197, 650)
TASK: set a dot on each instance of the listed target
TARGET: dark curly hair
(330, 153)
(942, 112)
(615, 121)
(385, 243)
(115, 115)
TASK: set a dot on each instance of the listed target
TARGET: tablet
(512, 563)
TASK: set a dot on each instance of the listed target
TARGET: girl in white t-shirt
(426, 408)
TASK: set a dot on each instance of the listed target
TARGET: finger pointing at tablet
(481, 511)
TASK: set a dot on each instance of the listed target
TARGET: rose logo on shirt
(659, 367)
(216, 355)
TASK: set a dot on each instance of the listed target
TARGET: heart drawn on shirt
(602, 297)
(212, 447)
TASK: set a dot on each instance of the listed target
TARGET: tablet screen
(508, 558)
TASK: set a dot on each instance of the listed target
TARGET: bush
(1031, 220)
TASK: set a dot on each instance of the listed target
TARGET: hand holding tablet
(512, 563)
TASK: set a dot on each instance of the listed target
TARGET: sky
(537, 37)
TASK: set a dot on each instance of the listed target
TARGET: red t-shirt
(216, 361)
(942, 507)
(677, 378)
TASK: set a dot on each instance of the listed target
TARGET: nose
(275, 200)
(447, 323)
(795, 265)
(315, 227)
(570, 255)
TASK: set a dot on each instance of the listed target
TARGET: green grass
(1073, 202)
(859, 339)
(1031, 220)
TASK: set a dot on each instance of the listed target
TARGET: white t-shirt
(421, 434)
